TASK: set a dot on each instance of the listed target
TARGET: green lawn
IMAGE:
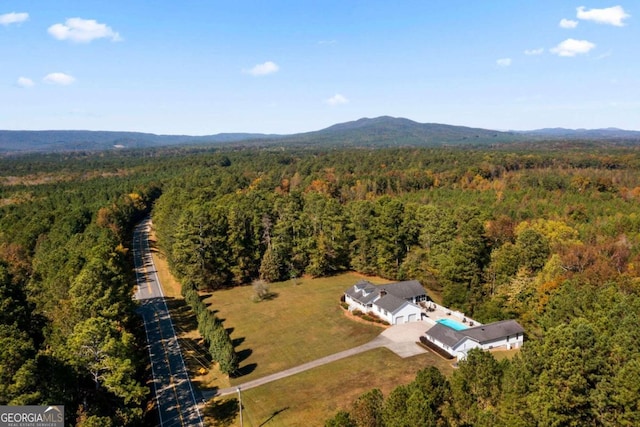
(309, 398)
(303, 322)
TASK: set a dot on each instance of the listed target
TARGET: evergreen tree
(367, 409)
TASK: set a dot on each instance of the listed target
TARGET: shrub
(261, 290)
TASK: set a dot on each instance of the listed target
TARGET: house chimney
(383, 292)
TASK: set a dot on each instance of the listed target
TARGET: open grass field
(309, 398)
(302, 322)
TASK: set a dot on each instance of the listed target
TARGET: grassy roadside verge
(195, 354)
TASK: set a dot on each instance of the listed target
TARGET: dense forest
(548, 236)
(68, 331)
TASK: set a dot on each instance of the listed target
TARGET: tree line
(483, 241)
(217, 338)
(68, 328)
(584, 369)
(547, 237)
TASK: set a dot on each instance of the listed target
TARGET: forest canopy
(549, 237)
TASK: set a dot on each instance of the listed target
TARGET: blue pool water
(453, 324)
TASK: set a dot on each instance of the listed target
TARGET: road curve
(175, 396)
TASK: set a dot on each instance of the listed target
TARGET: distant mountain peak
(382, 131)
(367, 122)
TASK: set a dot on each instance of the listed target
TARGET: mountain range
(379, 131)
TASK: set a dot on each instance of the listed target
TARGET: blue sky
(205, 67)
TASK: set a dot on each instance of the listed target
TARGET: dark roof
(392, 296)
(445, 334)
(405, 290)
(364, 284)
(481, 334)
(493, 331)
(363, 291)
(391, 303)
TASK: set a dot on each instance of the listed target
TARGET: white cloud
(573, 47)
(326, 42)
(568, 23)
(263, 69)
(610, 15)
(83, 31)
(503, 62)
(61, 79)
(538, 51)
(13, 18)
(25, 82)
(337, 99)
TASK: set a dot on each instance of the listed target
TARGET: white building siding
(461, 350)
(442, 345)
(354, 305)
(494, 338)
(509, 342)
(467, 345)
(405, 311)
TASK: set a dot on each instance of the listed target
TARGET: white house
(505, 334)
(394, 302)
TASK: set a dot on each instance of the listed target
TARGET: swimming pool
(453, 324)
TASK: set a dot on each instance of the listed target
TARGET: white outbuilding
(506, 334)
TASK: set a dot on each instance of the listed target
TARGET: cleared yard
(303, 322)
(309, 398)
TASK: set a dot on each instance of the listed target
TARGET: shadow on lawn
(245, 370)
(244, 354)
(224, 412)
(269, 296)
(273, 415)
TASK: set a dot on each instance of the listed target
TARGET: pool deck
(440, 312)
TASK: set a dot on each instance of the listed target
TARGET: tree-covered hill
(391, 131)
(17, 141)
(382, 131)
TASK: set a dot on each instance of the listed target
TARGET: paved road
(177, 405)
(401, 339)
